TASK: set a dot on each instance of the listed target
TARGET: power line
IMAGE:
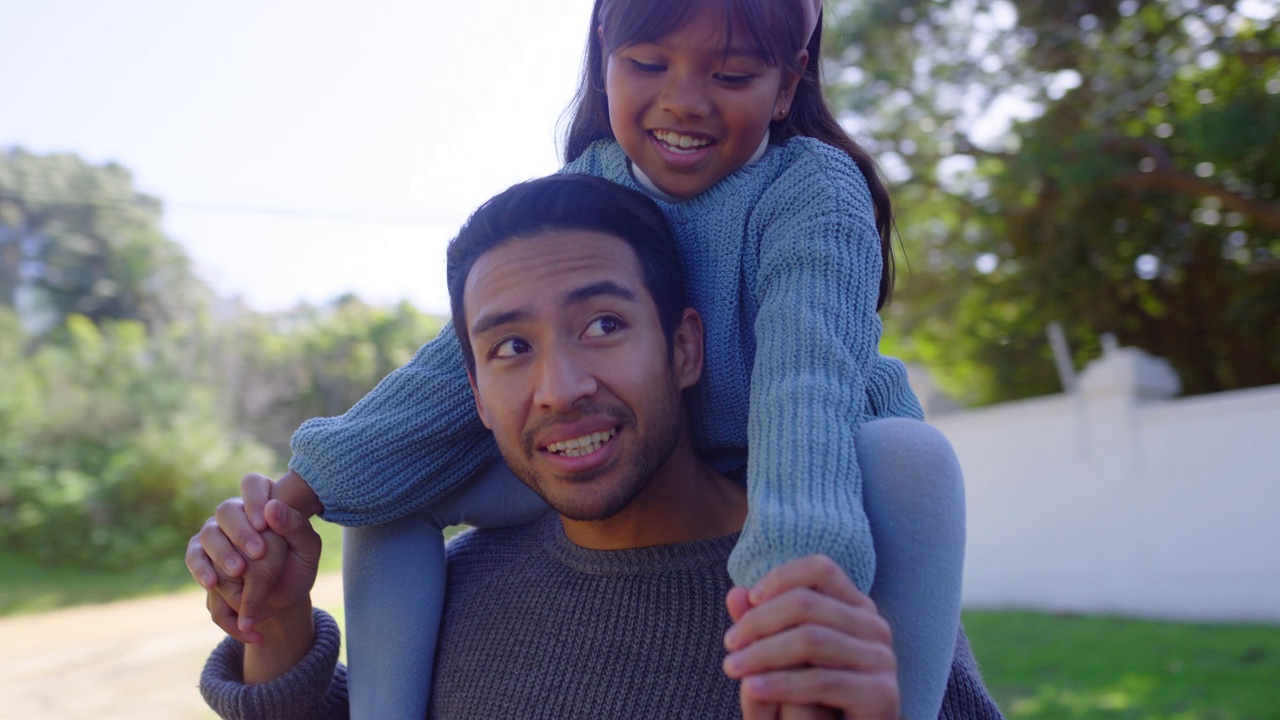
(222, 207)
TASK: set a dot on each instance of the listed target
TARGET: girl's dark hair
(777, 30)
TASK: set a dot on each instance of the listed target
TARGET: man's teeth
(676, 140)
(575, 447)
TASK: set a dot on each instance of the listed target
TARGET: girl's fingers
(810, 646)
(215, 544)
(801, 606)
(199, 565)
(817, 572)
(235, 524)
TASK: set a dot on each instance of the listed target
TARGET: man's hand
(291, 559)
(805, 635)
(234, 556)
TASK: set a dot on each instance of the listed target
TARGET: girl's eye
(510, 347)
(734, 78)
(647, 67)
(602, 326)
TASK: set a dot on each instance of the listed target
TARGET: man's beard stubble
(652, 453)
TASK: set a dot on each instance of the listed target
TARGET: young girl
(715, 110)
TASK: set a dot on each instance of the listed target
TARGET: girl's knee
(909, 460)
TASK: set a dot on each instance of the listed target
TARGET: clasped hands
(805, 642)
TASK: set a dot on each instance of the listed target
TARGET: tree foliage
(1134, 193)
(78, 238)
(127, 409)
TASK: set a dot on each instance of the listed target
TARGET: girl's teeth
(683, 142)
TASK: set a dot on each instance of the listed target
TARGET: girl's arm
(817, 269)
(412, 438)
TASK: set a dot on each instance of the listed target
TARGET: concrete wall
(1119, 499)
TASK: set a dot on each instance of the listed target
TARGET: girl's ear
(787, 93)
(686, 349)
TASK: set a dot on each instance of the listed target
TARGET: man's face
(573, 372)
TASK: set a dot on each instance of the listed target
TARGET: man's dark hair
(570, 202)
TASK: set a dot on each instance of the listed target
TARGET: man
(568, 305)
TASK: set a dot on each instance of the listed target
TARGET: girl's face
(689, 109)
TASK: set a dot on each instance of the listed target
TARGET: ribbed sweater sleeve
(817, 334)
(413, 437)
(314, 689)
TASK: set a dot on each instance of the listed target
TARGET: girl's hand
(805, 635)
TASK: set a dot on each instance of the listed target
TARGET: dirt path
(133, 659)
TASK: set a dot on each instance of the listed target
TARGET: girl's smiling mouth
(679, 142)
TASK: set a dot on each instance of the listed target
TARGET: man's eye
(509, 348)
(602, 326)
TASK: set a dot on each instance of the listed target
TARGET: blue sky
(302, 149)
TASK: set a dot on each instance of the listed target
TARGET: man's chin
(581, 510)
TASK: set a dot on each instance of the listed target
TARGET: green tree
(109, 455)
(1135, 192)
(78, 238)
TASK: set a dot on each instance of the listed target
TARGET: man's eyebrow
(604, 287)
(485, 323)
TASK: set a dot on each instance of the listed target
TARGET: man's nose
(563, 379)
(685, 95)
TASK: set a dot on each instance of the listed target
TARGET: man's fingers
(256, 491)
(303, 540)
(753, 709)
(802, 606)
(234, 523)
(858, 695)
(260, 578)
(810, 646)
(224, 616)
(808, 712)
(818, 572)
(737, 603)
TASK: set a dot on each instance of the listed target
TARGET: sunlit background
(218, 220)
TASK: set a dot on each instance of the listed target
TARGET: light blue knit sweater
(783, 262)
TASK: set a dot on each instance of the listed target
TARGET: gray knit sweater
(537, 627)
(782, 260)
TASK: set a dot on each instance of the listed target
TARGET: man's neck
(686, 500)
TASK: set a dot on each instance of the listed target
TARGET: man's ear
(787, 93)
(475, 393)
(686, 349)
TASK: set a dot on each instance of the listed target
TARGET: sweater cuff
(296, 694)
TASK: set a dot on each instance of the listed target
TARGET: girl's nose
(563, 380)
(685, 96)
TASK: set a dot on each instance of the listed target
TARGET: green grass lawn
(1046, 666)
(30, 587)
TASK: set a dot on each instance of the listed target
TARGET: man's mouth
(584, 445)
(677, 142)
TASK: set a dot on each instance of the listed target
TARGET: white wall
(1118, 499)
